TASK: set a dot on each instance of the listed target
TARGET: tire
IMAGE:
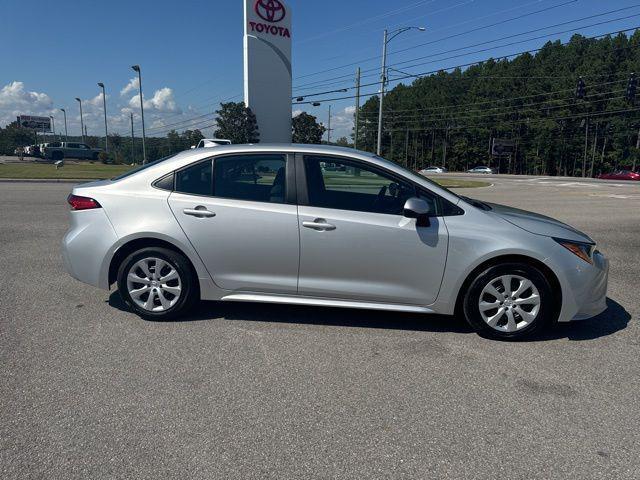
(509, 317)
(174, 290)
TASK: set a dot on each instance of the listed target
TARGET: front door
(355, 243)
(238, 213)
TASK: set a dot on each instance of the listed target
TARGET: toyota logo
(270, 10)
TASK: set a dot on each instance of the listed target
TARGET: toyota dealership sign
(267, 67)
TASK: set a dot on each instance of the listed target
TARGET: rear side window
(195, 180)
(256, 178)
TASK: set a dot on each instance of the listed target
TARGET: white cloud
(15, 100)
(342, 123)
(131, 86)
(295, 113)
(162, 101)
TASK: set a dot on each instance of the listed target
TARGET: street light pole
(329, 127)
(133, 152)
(81, 120)
(104, 106)
(66, 136)
(136, 68)
(383, 76)
(53, 126)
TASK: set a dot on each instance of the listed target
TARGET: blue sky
(191, 51)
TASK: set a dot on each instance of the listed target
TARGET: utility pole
(586, 146)
(593, 155)
(383, 79)
(104, 107)
(329, 127)
(633, 168)
(357, 125)
(85, 133)
(133, 156)
(383, 76)
(406, 149)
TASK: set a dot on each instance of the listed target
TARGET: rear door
(355, 243)
(240, 214)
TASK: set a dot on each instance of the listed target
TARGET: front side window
(345, 185)
(256, 178)
(194, 180)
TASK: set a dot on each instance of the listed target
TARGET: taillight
(82, 203)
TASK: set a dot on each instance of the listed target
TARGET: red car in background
(620, 175)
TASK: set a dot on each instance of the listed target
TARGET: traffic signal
(632, 86)
(581, 89)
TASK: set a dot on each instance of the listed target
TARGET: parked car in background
(432, 170)
(211, 142)
(620, 175)
(481, 169)
(61, 150)
(267, 223)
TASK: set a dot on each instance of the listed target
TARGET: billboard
(40, 124)
(267, 67)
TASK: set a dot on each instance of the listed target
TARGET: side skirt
(322, 302)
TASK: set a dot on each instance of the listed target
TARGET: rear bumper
(86, 245)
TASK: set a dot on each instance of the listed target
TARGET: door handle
(319, 225)
(199, 212)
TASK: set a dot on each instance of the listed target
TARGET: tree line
(532, 101)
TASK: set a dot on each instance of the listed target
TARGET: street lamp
(136, 68)
(104, 107)
(81, 120)
(66, 138)
(383, 79)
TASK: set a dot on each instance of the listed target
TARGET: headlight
(579, 249)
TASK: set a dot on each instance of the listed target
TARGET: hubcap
(509, 303)
(154, 284)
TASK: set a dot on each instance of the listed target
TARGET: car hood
(538, 224)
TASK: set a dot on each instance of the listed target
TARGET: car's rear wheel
(157, 283)
(509, 301)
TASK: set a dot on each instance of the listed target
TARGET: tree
(306, 129)
(237, 123)
(14, 136)
(343, 142)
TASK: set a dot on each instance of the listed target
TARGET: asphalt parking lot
(243, 391)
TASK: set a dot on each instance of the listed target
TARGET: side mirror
(419, 209)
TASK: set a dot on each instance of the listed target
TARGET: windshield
(411, 173)
(141, 167)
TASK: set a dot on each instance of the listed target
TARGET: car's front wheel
(157, 283)
(509, 301)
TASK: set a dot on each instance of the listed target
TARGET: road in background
(89, 390)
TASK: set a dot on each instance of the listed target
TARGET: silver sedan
(315, 225)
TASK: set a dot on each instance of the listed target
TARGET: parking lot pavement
(89, 390)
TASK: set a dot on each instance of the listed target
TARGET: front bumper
(593, 300)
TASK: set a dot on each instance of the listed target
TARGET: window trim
(290, 177)
(303, 193)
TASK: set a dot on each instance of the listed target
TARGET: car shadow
(612, 320)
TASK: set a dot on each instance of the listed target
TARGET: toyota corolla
(325, 226)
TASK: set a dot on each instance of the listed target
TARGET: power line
(423, 74)
(490, 48)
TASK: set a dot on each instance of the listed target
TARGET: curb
(46, 180)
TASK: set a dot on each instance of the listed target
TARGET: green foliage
(450, 118)
(237, 123)
(12, 137)
(306, 129)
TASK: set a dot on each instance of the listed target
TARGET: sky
(190, 52)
